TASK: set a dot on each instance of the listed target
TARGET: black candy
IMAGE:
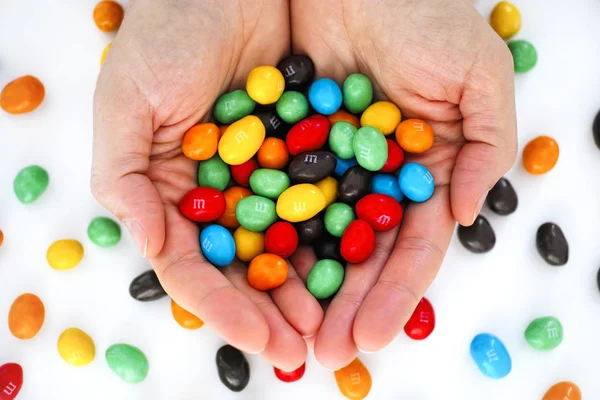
(233, 368)
(596, 129)
(552, 244)
(311, 167)
(328, 248)
(502, 199)
(274, 125)
(479, 237)
(310, 230)
(354, 184)
(146, 287)
(598, 279)
(298, 71)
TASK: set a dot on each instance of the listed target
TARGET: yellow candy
(76, 347)
(64, 254)
(505, 19)
(241, 140)
(329, 188)
(105, 53)
(248, 244)
(382, 115)
(265, 84)
(300, 202)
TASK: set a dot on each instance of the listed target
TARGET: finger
(419, 249)
(202, 289)
(303, 260)
(335, 346)
(286, 349)
(489, 125)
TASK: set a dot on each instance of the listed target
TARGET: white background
(499, 292)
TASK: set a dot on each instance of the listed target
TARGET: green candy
(340, 139)
(255, 213)
(269, 182)
(325, 278)
(30, 183)
(233, 106)
(128, 362)
(544, 333)
(358, 93)
(337, 217)
(104, 232)
(524, 55)
(213, 173)
(370, 148)
(292, 107)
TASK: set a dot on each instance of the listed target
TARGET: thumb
(489, 126)
(123, 135)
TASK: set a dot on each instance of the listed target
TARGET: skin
(438, 60)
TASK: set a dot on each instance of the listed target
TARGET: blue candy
(491, 356)
(343, 165)
(217, 245)
(416, 182)
(325, 96)
(386, 184)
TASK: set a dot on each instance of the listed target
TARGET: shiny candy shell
(540, 155)
(30, 183)
(269, 182)
(524, 55)
(479, 237)
(380, 211)
(414, 136)
(298, 71)
(233, 106)
(281, 239)
(241, 140)
(382, 115)
(217, 245)
(422, 321)
(213, 173)
(184, 318)
(64, 254)
(358, 93)
(292, 376)
(76, 347)
(358, 242)
(22, 95)
(563, 391)
(325, 278)
(395, 157)
(128, 362)
(248, 244)
(26, 316)
(552, 244)
(490, 356)
(544, 333)
(241, 173)
(256, 213)
(329, 188)
(370, 148)
(274, 125)
(386, 184)
(416, 182)
(300, 202)
(502, 199)
(146, 287)
(202, 204)
(265, 84)
(310, 230)
(267, 271)
(325, 96)
(312, 166)
(11, 381)
(354, 380)
(343, 165)
(505, 19)
(308, 135)
(233, 368)
(104, 232)
(354, 184)
(200, 141)
(232, 196)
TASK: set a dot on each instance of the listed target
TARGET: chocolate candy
(344, 165)
(382, 115)
(233, 368)
(128, 362)
(22, 95)
(386, 184)
(479, 237)
(104, 232)
(213, 173)
(395, 157)
(354, 380)
(524, 55)
(242, 173)
(354, 185)
(281, 239)
(217, 245)
(337, 217)
(76, 347)
(265, 84)
(422, 321)
(241, 140)
(502, 199)
(310, 134)
(26, 316)
(30, 183)
(544, 333)
(290, 376)
(491, 356)
(563, 391)
(380, 211)
(325, 278)
(416, 182)
(269, 182)
(64, 254)
(202, 204)
(328, 247)
(146, 287)
(358, 242)
(596, 130)
(311, 167)
(298, 71)
(310, 230)
(552, 244)
(505, 19)
(292, 107)
(300, 202)
(325, 96)
(11, 381)
(255, 213)
(540, 155)
(358, 93)
(341, 138)
(274, 125)
(248, 244)
(233, 106)
(184, 318)
(370, 148)
(267, 271)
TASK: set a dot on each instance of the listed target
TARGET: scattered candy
(502, 199)
(200, 141)
(540, 155)
(105, 53)
(217, 245)
(11, 381)
(311, 167)
(64, 254)
(370, 148)
(233, 106)
(241, 140)
(382, 115)
(273, 153)
(354, 184)
(298, 71)
(328, 247)
(30, 183)
(269, 182)
(414, 136)
(241, 173)
(563, 391)
(479, 237)
(213, 173)
(310, 134)
(422, 321)
(76, 347)
(325, 278)
(337, 217)
(281, 239)
(341, 138)
(329, 188)
(325, 96)
(26, 316)
(300, 202)
(292, 107)
(265, 84)
(232, 196)
(233, 368)
(596, 130)
(544, 333)
(267, 271)
(505, 19)
(128, 362)
(380, 211)
(552, 244)
(108, 16)
(290, 376)
(395, 157)
(524, 55)
(310, 230)
(358, 242)
(146, 287)
(202, 204)
(22, 95)
(1, 237)
(416, 182)
(387, 184)
(248, 244)
(358, 93)
(104, 232)
(185, 318)
(256, 213)
(491, 356)
(354, 380)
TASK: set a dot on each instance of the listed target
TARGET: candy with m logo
(11, 380)
(308, 135)
(242, 140)
(300, 202)
(422, 322)
(380, 211)
(202, 204)
(311, 167)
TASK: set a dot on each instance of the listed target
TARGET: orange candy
(267, 271)
(108, 16)
(563, 391)
(22, 95)
(200, 141)
(341, 115)
(540, 155)
(273, 153)
(414, 135)
(26, 316)
(232, 196)
(223, 128)
(1, 237)
(354, 380)
(185, 318)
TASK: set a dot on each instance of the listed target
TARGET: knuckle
(351, 298)
(401, 289)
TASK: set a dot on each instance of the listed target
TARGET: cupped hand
(167, 66)
(440, 61)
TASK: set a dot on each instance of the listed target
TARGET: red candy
(395, 157)
(241, 173)
(421, 323)
(309, 134)
(202, 204)
(381, 211)
(358, 241)
(11, 380)
(290, 376)
(281, 239)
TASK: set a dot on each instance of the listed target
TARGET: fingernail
(138, 234)
(364, 351)
(257, 352)
(308, 336)
(479, 206)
